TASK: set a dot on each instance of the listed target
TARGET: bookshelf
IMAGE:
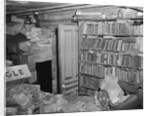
(109, 46)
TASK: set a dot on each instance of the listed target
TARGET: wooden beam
(59, 9)
(74, 8)
(46, 9)
(57, 20)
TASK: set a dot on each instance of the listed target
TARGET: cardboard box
(17, 73)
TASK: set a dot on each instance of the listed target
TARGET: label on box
(17, 72)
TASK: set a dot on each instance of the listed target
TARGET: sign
(17, 72)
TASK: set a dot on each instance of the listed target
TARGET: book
(100, 31)
(99, 41)
(84, 28)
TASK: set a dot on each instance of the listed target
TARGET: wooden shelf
(91, 76)
(102, 35)
(112, 65)
(118, 52)
(127, 36)
(88, 87)
(100, 19)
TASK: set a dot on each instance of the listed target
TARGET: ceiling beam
(66, 7)
(60, 9)
(45, 9)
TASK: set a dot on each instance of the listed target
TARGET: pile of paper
(59, 103)
(116, 94)
(24, 95)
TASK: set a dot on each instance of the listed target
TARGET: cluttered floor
(28, 99)
(24, 99)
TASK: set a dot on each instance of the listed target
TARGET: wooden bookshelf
(96, 38)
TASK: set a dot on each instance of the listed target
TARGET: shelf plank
(100, 19)
(91, 75)
(102, 35)
(108, 51)
(88, 87)
(137, 68)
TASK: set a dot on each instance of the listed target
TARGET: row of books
(108, 44)
(90, 82)
(88, 85)
(131, 75)
(110, 58)
(125, 27)
(121, 14)
(91, 69)
(86, 91)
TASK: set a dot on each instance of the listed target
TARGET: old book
(102, 44)
(108, 44)
(98, 47)
(105, 44)
(100, 30)
(85, 28)
(119, 45)
(111, 44)
(95, 43)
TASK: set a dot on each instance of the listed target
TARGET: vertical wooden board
(81, 80)
(76, 53)
(53, 40)
(81, 89)
(54, 69)
(55, 85)
(68, 52)
(74, 47)
(61, 53)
